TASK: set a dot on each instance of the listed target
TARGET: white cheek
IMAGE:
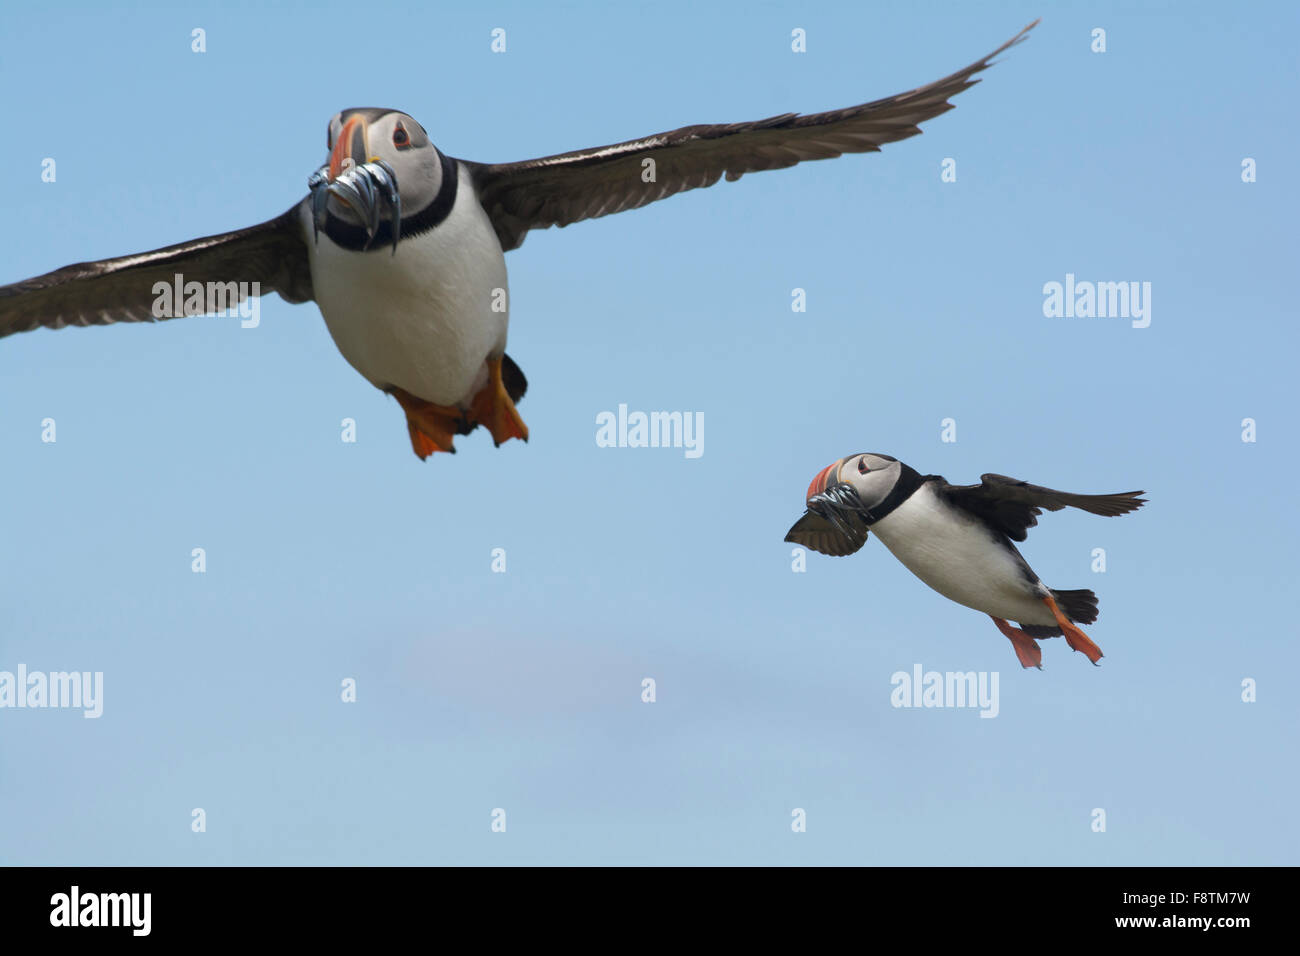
(873, 488)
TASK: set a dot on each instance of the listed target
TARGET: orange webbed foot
(493, 408)
(1077, 640)
(1027, 650)
(431, 427)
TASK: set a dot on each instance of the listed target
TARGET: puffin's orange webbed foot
(1027, 649)
(1077, 640)
(431, 426)
(493, 408)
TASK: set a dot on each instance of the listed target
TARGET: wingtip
(1020, 37)
(1136, 502)
(1023, 34)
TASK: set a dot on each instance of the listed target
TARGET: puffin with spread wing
(958, 539)
(402, 246)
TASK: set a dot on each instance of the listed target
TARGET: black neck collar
(351, 236)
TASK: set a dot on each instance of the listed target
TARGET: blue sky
(479, 690)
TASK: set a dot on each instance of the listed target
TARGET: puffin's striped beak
(368, 187)
(350, 145)
(833, 523)
(825, 478)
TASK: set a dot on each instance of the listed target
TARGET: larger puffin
(402, 246)
(958, 539)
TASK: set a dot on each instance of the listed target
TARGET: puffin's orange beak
(350, 147)
(825, 478)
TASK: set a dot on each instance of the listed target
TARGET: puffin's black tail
(512, 376)
(1079, 606)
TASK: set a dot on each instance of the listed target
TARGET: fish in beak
(366, 186)
(833, 523)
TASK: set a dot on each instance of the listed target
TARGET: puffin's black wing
(272, 253)
(587, 183)
(1012, 507)
(816, 532)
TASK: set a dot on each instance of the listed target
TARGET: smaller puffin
(958, 540)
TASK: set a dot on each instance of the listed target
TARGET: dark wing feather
(587, 183)
(273, 253)
(816, 532)
(1012, 506)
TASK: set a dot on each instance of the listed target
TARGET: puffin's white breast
(422, 319)
(961, 558)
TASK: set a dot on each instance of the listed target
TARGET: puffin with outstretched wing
(958, 539)
(402, 246)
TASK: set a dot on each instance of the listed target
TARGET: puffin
(401, 245)
(959, 540)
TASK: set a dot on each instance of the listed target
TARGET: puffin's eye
(400, 139)
(862, 466)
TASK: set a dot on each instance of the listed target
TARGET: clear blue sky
(521, 690)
